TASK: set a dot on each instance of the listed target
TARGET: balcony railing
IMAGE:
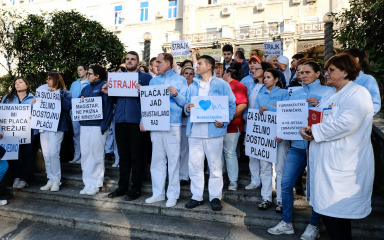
(310, 28)
(202, 37)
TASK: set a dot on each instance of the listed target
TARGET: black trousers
(130, 146)
(338, 228)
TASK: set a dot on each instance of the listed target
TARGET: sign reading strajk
(180, 48)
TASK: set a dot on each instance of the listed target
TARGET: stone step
(123, 223)
(233, 213)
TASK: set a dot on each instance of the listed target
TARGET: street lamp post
(328, 36)
(147, 47)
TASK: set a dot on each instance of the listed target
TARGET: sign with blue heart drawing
(209, 109)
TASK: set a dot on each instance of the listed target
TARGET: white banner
(46, 111)
(209, 109)
(11, 146)
(273, 48)
(16, 121)
(292, 115)
(90, 108)
(180, 48)
(260, 136)
(155, 107)
(123, 84)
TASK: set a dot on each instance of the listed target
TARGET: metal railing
(310, 28)
(202, 37)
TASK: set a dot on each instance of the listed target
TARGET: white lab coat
(341, 157)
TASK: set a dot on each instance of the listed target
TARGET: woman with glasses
(341, 161)
(93, 133)
(50, 140)
(253, 90)
(313, 92)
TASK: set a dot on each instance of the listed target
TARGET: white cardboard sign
(11, 146)
(123, 84)
(15, 120)
(180, 48)
(260, 136)
(209, 109)
(272, 48)
(46, 111)
(89, 108)
(292, 115)
(155, 107)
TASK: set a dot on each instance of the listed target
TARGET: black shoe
(193, 203)
(216, 204)
(133, 195)
(116, 193)
(184, 182)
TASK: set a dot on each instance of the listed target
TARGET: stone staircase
(117, 218)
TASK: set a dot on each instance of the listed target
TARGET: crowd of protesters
(336, 152)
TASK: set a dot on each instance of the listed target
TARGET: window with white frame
(211, 2)
(244, 32)
(144, 11)
(172, 8)
(118, 14)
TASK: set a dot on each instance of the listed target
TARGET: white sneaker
(47, 186)
(116, 164)
(232, 186)
(75, 161)
(22, 184)
(154, 199)
(55, 187)
(281, 228)
(171, 202)
(16, 182)
(85, 189)
(251, 186)
(310, 233)
(92, 190)
(3, 202)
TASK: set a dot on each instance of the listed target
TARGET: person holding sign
(296, 159)
(206, 139)
(129, 139)
(253, 90)
(236, 126)
(51, 140)
(341, 160)
(75, 90)
(22, 169)
(166, 144)
(266, 101)
(93, 133)
(3, 168)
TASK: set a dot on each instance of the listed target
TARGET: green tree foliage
(61, 41)
(362, 27)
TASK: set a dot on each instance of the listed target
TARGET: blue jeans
(295, 163)
(3, 168)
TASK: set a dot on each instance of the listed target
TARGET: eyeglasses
(89, 73)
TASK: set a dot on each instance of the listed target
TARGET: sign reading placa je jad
(15, 121)
(90, 108)
(292, 115)
(123, 84)
(180, 48)
(272, 48)
(11, 146)
(260, 136)
(155, 107)
(209, 109)
(46, 111)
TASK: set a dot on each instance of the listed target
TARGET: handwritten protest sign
(260, 136)
(15, 121)
(11, 146)
(46, 111)
(292, 115)
(155, 107)
(123, 84)
(180, 48)
(90, 108)
(215, 53)
(209, 109)
(272, 48)
(291, 90)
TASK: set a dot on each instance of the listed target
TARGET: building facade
(209, 24)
